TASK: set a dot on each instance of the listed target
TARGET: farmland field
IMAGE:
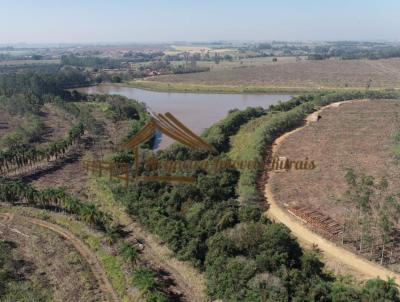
(289, 75)
(353, 147)
(357, 136)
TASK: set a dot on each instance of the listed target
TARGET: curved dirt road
(84, 251)
(330, 250)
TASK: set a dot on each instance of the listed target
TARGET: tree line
(15, 191)
(40, 84)
(372, 216)
(18, 157)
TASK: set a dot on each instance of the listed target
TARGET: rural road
(84, 251)
(329, 249)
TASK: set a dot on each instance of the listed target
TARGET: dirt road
(97, 270)
(330, 250)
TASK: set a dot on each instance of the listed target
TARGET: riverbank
(226, 89)
(198, 88)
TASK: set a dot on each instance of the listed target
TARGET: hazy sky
(55, 21)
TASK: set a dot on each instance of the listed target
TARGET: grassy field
(202, 88)
(243, 63)
(284, 75)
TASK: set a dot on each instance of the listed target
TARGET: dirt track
(188, 280)
(330, 250)
(84, 251)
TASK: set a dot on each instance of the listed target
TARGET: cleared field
(295, 75)
(355, 135)
(244, 63)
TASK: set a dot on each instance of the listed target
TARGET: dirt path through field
(330, 250)
(188, 282)
(97, 270)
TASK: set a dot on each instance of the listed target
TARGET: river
(197, 111)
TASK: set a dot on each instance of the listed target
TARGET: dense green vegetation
(39, 85)
(90, 61)
(352, 51)
(217, 223)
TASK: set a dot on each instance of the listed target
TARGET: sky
(126, 21)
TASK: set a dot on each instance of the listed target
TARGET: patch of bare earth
(69, 174)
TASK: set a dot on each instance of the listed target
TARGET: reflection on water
(197, 111)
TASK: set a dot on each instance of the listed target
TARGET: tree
(379, 290)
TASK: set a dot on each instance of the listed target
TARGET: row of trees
(13, 191)
(40, 84)
(19, 157)
(90, 61)
(372, 216)
(352, 52)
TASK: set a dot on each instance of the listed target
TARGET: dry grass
(355, 135)
(8, 123)
(294, 75)
(56, 264)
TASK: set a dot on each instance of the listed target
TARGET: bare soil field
(355, 135)
(300, 75)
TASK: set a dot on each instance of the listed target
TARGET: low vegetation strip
(201, 88)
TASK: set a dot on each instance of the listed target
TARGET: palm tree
(89, 214)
